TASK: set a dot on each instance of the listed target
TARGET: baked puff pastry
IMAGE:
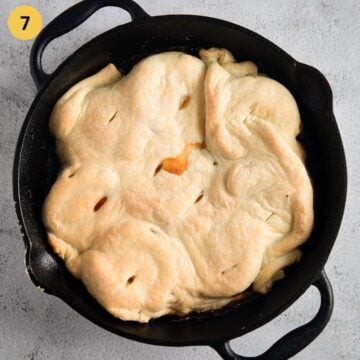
(182, 184)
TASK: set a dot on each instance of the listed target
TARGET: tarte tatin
(182, 184)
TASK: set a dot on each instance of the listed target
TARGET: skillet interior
(36, 166)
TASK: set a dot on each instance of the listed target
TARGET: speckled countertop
(324, 34)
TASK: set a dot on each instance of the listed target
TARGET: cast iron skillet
(36, 166)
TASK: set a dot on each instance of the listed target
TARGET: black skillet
(36, 166)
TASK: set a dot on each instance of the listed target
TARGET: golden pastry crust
(182, 184)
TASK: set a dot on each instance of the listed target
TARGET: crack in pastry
(184, 102)
(100, 203)
(151, 234)
(199, 197)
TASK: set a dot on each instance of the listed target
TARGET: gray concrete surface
(324, 34)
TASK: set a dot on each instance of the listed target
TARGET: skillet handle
(297, 339)
(68, 20)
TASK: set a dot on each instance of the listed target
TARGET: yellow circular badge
(24, 22)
